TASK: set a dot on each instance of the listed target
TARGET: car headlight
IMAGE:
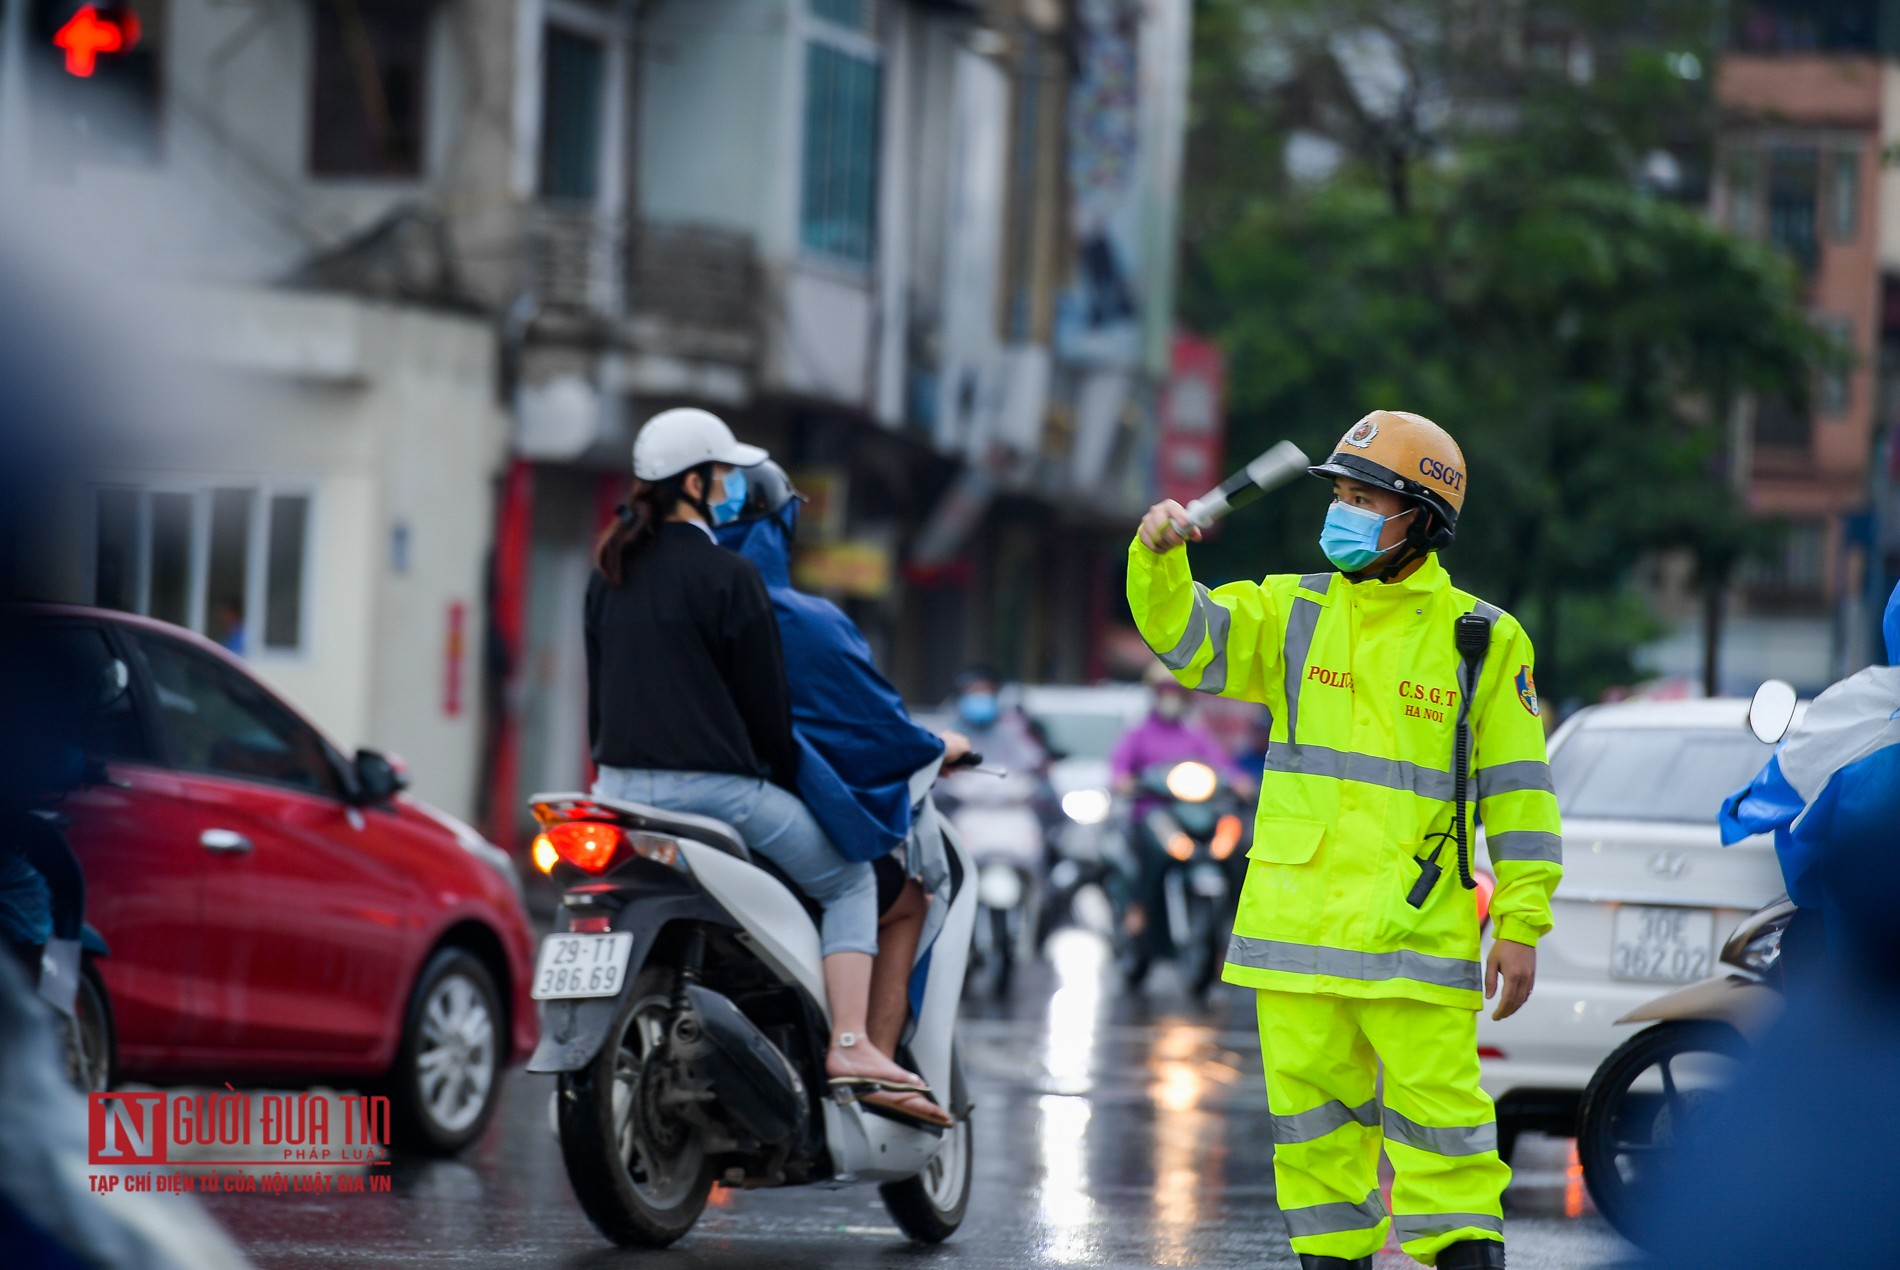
(1192, 782)
(1086, 806)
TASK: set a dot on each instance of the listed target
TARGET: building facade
(444, 256)
(1809, 101)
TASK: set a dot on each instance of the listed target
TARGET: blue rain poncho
(857, 745)
(1831, 793)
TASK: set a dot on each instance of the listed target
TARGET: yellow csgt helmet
(1407, 454)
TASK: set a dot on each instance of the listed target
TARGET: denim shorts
(777, 826)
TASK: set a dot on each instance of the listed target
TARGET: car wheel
(447, 1077)
(89, 1035)
(1647, 1101)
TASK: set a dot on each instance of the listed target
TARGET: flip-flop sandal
(871, 1084)
(903, 1117)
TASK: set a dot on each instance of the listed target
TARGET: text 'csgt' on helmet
(1405, 453)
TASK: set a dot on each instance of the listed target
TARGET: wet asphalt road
(1110, 1131)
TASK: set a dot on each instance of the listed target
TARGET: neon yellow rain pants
(1323, 1055)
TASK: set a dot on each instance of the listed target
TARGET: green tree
(1491, 251)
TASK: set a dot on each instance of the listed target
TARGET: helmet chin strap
(1402, 554)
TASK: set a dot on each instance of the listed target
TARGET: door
(304, 933)
(135, 838)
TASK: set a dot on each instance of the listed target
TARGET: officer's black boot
(1309, 1262)
(1472, 1254)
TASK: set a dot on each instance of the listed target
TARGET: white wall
(386, 414)
(713, 114)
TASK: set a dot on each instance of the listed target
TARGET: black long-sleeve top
(684, 668)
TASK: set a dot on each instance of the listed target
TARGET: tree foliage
(1490, 250)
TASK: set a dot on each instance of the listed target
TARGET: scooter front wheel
(640, 1172)
(1646, 1101)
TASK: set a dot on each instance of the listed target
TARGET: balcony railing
(694, 291)
(569, 255)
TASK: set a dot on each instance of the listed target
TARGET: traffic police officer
(1355, 925)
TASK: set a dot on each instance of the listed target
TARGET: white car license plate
(1662, 945)
(581, 965)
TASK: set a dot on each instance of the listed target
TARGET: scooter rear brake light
(1226, 837)
(1490, 1051)
(585, 844)
(590, 925)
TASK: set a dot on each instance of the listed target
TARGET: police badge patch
(1362, 433)
(1527, 689)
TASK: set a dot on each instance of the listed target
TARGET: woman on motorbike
(688, 709)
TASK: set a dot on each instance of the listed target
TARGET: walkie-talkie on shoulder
(1472, 636)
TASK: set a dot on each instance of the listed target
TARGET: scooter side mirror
(1772, 711)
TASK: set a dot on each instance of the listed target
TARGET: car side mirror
(379, 777)
(1772, 711)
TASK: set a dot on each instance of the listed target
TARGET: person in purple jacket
(1167, 736)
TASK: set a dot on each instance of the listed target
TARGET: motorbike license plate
(1662, 945)
(581, 965)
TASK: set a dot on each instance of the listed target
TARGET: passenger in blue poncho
(1793, 1167)
(1831, 797)
(858, 748)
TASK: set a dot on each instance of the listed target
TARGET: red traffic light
(88, 33)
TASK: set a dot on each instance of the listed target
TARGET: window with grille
(1793, 191)
(838, 202)
(571, 124)
(231, 563)
(368, 86)
(1844, 194)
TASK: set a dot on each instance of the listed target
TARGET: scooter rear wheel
(641, 1174)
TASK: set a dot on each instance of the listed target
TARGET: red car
(276, 912)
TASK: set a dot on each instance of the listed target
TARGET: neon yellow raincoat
(1364, 682)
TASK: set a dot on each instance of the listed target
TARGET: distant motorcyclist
(857, 750)
(1168, 735)
(1004, 737)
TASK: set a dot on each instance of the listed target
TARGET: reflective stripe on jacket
(1363, 680)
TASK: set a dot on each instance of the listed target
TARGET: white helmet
(679, 440)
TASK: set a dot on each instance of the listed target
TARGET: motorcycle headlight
(1086, 806)
(1192, 782)
(1761, 953)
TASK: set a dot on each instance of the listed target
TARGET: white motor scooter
(995, 816)
(684, 1010)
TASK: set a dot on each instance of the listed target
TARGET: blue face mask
(978, 709)
(727, 509)
(1350, 536)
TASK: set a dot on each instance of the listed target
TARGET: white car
(1647, 898)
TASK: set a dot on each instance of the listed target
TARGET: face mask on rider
(1350, 536)
(727, 509)
(978, 709)
(1171, 706)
